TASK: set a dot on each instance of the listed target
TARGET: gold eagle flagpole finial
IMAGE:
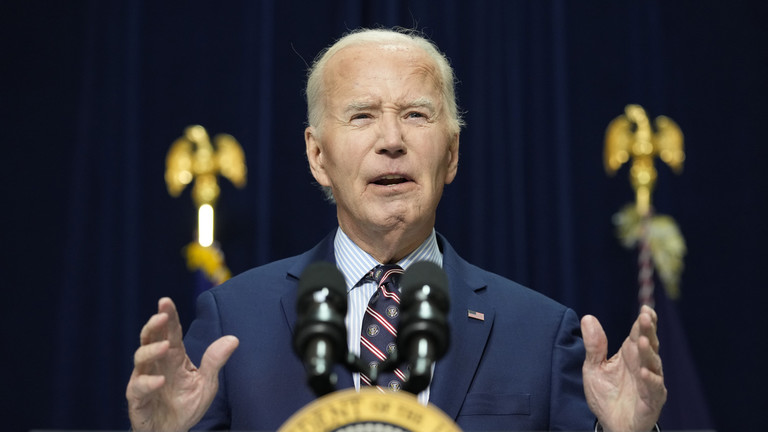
(631, 137)
(194, 158)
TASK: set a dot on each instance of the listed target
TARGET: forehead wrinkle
(426, 67)
(421, 67)
(426, 70)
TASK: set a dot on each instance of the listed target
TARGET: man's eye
(361, 116)
(416, 114)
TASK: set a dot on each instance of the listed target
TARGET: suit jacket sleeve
(205, 329)
(568, 402)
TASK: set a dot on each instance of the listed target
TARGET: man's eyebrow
(363, 105)
(422, 102)
(359, 106)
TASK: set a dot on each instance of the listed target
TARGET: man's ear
(315, 156)
(453, 161)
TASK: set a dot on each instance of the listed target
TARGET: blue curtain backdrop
(94, 92)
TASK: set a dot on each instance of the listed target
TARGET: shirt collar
(355, 263)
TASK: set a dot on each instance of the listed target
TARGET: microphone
(423, 332)
(320, 339)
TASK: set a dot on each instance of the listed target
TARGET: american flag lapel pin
(476, 315)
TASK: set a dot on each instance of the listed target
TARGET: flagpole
(645, 294)
(657, 238)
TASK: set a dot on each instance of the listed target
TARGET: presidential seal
(369, 411)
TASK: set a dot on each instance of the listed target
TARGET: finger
(595, 341)
(635, 332)
(155, 329)
(649, 359)
(217, 355)
(142, 386)
(652, 389)
(648, 328)
(146, 355)
(175, 334)
(651, 312)
(644, 324)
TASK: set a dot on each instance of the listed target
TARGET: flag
(476, 315)
(686, 407)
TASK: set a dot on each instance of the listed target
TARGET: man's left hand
(625, 392)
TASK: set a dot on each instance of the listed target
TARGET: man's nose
(391, 135)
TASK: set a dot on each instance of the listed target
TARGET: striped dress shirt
(355, 264)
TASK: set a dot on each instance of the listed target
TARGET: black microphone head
(320, 335)
(423, 333)
(316, 277)
(425, 279)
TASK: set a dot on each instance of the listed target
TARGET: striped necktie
(379, 332)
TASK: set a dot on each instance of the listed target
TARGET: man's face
(384, 146)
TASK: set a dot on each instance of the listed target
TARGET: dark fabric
(94, 92)
(475, 383)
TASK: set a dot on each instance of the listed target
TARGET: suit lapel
(322, 252)
(469, 335)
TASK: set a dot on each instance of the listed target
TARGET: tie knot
(386, 273)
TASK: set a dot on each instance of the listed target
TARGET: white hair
(445, 75)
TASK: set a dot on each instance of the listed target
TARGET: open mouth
(389, 180)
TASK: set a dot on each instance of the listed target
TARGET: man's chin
(406, 220)
(392, 213)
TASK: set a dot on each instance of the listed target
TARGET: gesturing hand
(625, 392)
(166, 391)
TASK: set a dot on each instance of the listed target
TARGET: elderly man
(383, 140)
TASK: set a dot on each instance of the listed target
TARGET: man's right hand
(166, 391)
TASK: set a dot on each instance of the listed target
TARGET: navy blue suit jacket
(518, 369)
